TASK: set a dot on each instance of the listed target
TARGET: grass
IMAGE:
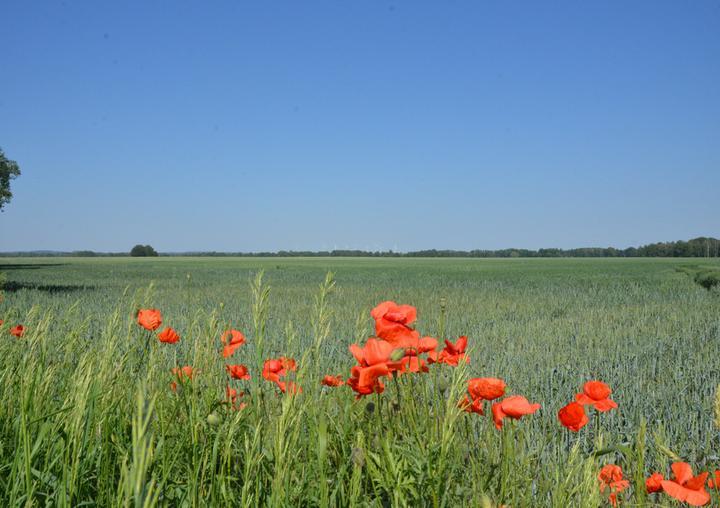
(87, 416)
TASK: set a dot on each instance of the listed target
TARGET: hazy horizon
(242, 127)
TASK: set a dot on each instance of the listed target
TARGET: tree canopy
(143, 250)
(8, 171)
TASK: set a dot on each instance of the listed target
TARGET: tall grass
(87, 416)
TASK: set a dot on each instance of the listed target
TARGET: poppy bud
(370, 408)
(213, 419)
(395, 405)
(443, 304)
(443, 384)
(397, 354)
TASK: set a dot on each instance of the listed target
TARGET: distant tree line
(695, 248)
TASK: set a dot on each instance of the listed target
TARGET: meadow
(88, 417)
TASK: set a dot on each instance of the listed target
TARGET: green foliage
(9, 170)
(708, 279)
(705, 276)
(87, 416)
(143, 251)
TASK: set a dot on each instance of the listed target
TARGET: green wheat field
(88, 418)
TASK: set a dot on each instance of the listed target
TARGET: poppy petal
(605, 405)
(682, 471)
(675, 490)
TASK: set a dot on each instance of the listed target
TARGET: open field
(87, 415)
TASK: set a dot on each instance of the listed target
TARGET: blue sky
(243, 126)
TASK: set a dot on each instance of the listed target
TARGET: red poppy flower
(514, 407)
(714, 481)
(392, 324)
(573, 416)
(611, 477)
(182, 375)
(413, 364)
(232, 339)
(375, 361)
(364, 380)
(427, 344)
(596, 393)
(424, 345)
(18, 331)
(274, 370)
(150, 319)
(289, 387)
(238, 371)
(686, 487)
(486, 388)
(452, 354)
(471, 406)
(233, 397)
(373, 352)
(332, 381)
(654, 483)
(169, 336)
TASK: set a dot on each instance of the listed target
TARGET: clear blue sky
(242, 126)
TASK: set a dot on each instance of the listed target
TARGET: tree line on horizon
(697, 247)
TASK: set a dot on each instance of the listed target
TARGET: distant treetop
(8, 170)
(143, 251)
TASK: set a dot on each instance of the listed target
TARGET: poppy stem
(378, 404)
(397, 389)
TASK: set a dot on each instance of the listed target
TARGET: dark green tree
(143, 251)
(8, 170)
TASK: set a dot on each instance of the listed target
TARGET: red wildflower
(392, 324)
(596, 393)
(373, 352)
(374, 360)
(18, 331)
(654, 483)
(486, 388)
(471, 406)
(233, 395)
(451, 354)
(686, 487)
(180, 372)
(364, 380)
(169, 336)
(278, 368)
(232, 339)
(290, 386)
(182, 375)
(611, 477)
(573, 416)
(274, 369)
(332, 381)
(150, 319)
(413, 364)
(427, 344)
(238, 371)
(514, 407)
